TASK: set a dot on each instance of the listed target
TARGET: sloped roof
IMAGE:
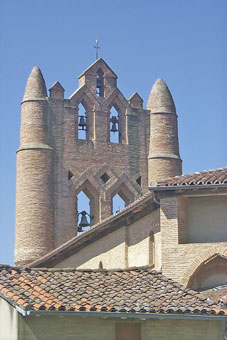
(109, 224)
(136, 290)
(207, 177)
(217, 294)
(136, 95)
(98, 61)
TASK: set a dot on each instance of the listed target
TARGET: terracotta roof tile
(207, 177)
(133, 290)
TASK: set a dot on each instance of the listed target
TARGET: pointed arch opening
(100, 83)
(87, 199)
(83, 204)
(82, 122)
(118, 203)
(114, 128)
(211, 273)
(121, 197)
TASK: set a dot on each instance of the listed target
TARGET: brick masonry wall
(126, 247)
(34, 124)
(34, 205)
(49, 129)
(34, 191)
(177, 259)
(125, 162)
(139, 242)
(110, 250)
(164, 159)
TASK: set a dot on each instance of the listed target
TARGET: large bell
(82, 122)
(84, 222)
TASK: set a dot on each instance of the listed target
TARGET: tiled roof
(136, 290)
(207, 177)
(93, 231)
(218, 295)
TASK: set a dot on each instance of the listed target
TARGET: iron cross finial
(97, 49)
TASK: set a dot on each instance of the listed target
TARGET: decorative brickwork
(200, 260)
(55, 165)
(181, 260)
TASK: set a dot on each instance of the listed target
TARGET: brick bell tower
(55, 162)
(66, 147)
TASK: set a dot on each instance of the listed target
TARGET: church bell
(82, 122)
(114, 122)
(83, 222)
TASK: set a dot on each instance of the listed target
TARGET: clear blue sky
(182, 41)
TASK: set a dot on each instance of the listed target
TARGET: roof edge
(122, 314)
(187, 187)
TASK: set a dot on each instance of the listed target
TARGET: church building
(156, 269)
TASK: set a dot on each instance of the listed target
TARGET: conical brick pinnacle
(160, 99)
(35, 87)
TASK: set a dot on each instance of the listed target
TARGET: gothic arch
(124, 189)
(84, 96)
(200, 261)
(116, 98)
(92, 193)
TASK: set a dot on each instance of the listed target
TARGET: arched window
(100, 265)
(121, 197)
(212, 273)
(83, 204)
(114, 126)
(100, 84)
(87, 200)
(117, 203)
(82, 122)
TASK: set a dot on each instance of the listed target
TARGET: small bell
(114, 122)
(84, 222)
(82, 122)
(114, 127)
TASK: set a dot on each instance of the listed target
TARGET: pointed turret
(160, 99)
(35, 87)
(34, 198)
(164, 159)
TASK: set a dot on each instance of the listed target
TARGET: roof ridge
(193, 173)
(203, 178)
(73, 269)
